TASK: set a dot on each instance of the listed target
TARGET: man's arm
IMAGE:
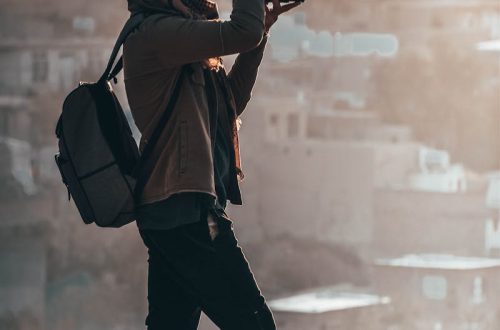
(243, 75)
(179, 40)
(244, 71)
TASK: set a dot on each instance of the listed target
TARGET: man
(195, 263)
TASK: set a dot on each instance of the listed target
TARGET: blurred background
(371, 150)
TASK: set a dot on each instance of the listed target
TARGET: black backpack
(98, 158)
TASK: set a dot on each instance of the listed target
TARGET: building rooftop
(13, 101)
(324, 300)
(489, 46)
(439, 261)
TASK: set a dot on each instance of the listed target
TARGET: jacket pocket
(183, 146)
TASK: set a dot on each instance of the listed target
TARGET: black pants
(189, 273)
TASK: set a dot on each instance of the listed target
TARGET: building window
(84, 24)
(492, 236)
(40, 66)
(69, 69)
(97, 61)
(293, 125)
(478, 291)
(275, 128)
(435, 287)
(4, 122)
(274, 120)
(317, 128)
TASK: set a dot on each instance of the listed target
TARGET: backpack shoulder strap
(132, 23)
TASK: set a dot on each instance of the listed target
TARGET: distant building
(441, 291)
(330, 308)
(51, 65)
(46, 69)
(489, 46)
(36, 74)
(313, 175)
(492, 228)
(15, 117)
(16, 173)
(435, 17)
(23, 264)
(412, 221)
(437, 174)
(317, 169)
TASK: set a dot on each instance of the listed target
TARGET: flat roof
(324, 300)
(13, 101)
(489, 46)
(439, 261)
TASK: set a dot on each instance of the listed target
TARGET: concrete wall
(457, 310)
(363, 318)
(317, 191)
(423, 222)
(67, 63)
(23, 277)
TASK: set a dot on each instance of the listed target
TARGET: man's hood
(158, 6)
(208, 8)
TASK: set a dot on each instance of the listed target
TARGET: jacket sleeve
(243, 75)
(179, 40)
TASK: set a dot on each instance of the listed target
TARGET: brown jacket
(153, 57)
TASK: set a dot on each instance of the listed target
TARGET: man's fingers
(278, 9)
(287, 7)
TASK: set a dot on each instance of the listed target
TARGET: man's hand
(180, 6)
(277, 9)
